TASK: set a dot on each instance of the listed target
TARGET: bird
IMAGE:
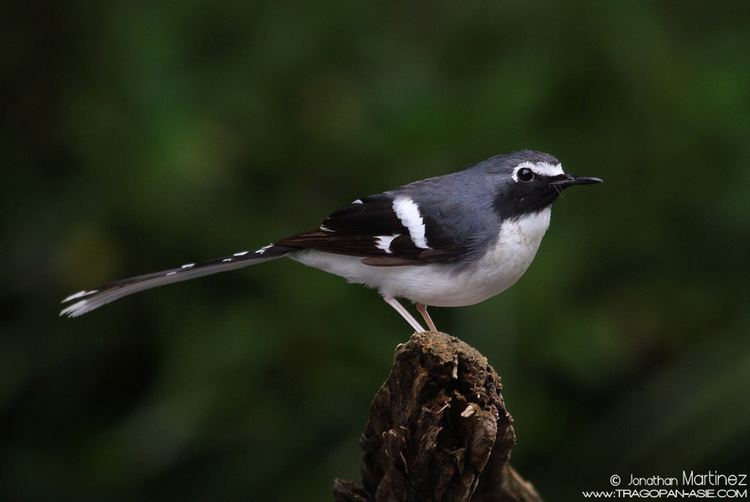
(447, 241)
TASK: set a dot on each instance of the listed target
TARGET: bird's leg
(404, 313)
(426, 316)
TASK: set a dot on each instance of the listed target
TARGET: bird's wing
(387, 229)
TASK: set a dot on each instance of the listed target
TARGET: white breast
(440, 284)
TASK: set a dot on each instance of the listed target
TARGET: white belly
(441, 285)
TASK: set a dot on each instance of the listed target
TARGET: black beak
(567, 180)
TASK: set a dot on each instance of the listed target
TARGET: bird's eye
(525, 174)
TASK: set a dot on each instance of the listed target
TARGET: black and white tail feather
(356, 230)
(88, 300)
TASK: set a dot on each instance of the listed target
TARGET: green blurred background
(141, 135)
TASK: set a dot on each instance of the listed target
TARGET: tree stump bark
(438, 430)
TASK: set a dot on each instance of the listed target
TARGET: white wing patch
(408, 212)
(541, 168)
(384, 242)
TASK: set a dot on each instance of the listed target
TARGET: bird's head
(529, 181)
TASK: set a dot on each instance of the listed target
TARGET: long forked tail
(89, 300)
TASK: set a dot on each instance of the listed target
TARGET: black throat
(517, 199)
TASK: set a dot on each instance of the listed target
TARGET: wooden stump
(438, 430)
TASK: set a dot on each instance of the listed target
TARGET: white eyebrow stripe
(357, 201)
(384, 242)
(542, 168)
(408, 212)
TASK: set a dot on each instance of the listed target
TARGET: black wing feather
(354, 230)
(373, 216)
